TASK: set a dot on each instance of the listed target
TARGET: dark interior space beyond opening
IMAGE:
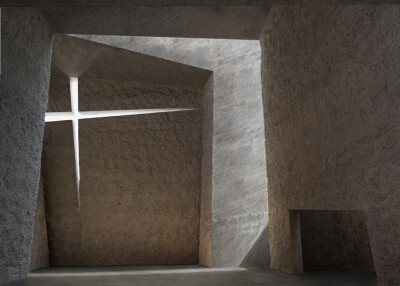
(334, 240)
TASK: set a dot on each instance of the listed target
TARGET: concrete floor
(194, 276)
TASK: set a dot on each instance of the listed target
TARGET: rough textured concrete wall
(140, 178)
(24, 81)
(239, 193)
(59, 181)
(96, 94)
(334, 240)
(40, 247)
(140, 189)
(331, 97)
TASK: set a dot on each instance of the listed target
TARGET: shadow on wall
(256, 254)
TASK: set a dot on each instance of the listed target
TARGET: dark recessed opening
(335, 240)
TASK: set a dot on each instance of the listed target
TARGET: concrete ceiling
(218, 19)
(228, 22)
(75, 57)
(131, 3)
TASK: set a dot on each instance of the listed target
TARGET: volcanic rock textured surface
(40, 245)
(26, 52)
(140, 178)
(331, 96)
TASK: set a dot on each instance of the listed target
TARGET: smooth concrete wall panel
(40, 247)
(239, 193)
(331, 98)
(24, 82)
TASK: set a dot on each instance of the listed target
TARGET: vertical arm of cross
(75, 124)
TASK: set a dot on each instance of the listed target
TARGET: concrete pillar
(24, 81)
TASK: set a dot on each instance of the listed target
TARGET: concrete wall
(239, 193)
(205, 245)
(24, 81)
(58, 168)
(98, 94)
(140, 178)
(40, 247)
(331, 97)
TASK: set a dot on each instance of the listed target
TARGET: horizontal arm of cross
(63, 116)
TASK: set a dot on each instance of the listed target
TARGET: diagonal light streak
(63, 116)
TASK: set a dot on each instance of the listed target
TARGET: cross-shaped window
(76, 115)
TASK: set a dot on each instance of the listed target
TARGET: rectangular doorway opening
(335, 239)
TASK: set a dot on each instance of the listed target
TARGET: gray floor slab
(191, 275)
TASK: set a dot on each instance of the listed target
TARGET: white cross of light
(76, 115)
